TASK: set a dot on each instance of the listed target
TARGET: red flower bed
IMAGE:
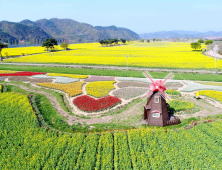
(90, 104)
(22, 73)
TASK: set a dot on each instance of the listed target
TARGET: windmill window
(156, 99)
(156, 114)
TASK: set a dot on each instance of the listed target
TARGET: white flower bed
(145, 80)
(193, 86)
(58, 79)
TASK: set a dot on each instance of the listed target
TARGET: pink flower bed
(89, 104)
(22, 73)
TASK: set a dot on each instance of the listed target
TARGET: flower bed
(100, 88)
(72, 89)
(168, 85)
(25, 78)
(180, 105)
(173, 92)
(129, 92)
(68, 75)
(217, 95)
(2, 78)
(58, 79)
(132, 84)
(145, 80)
(89, 104)
(193, 86)
(99, 78)
(22, 73)
(7, 71)
(211, 83)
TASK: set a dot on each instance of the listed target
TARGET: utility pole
(127, 56)
(51, 57)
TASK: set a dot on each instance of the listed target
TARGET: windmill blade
(149, 93)
(165, 96)
(147, 74)
(168, 77)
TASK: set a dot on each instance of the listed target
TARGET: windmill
(156, 109)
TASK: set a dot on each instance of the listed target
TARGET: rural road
(117, 68)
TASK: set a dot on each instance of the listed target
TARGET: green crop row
(25, 145)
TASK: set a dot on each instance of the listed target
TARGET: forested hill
(60, 29)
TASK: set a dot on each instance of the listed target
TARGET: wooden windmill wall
(156, 109)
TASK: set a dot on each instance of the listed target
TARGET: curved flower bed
(99, 78)
(100, 88)
(7, 71)
(132, 84)
(217, 95)
(22, 73)
(129, 92)
(193, 86)
(89, 104)
(25, 78)
(2, 78)
(68, 75)
(72, 89)
(58, 79)
(145, 80)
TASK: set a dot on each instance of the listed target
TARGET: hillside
(79, 32)
(14, 31)
(60, 29)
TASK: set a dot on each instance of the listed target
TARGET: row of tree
(197, 45)
(112, 41)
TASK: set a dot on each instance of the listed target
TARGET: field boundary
(117, 68)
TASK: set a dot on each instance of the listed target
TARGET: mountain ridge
(60, 29)
(180, 34)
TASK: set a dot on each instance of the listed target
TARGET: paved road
(117, 68)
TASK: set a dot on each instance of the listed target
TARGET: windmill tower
(156, 109)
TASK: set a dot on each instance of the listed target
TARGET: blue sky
(141, 16)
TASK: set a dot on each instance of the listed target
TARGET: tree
(64, 45)
(2, 45)
(148, 40)
(208, 42)
(200, 41)
(154, 39)
(142, 40)
(49, 43)
(123, 41)
(101, 42)
(195, 45)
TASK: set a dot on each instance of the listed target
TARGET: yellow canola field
(26, 50)
(156, 55)
(68, 75)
